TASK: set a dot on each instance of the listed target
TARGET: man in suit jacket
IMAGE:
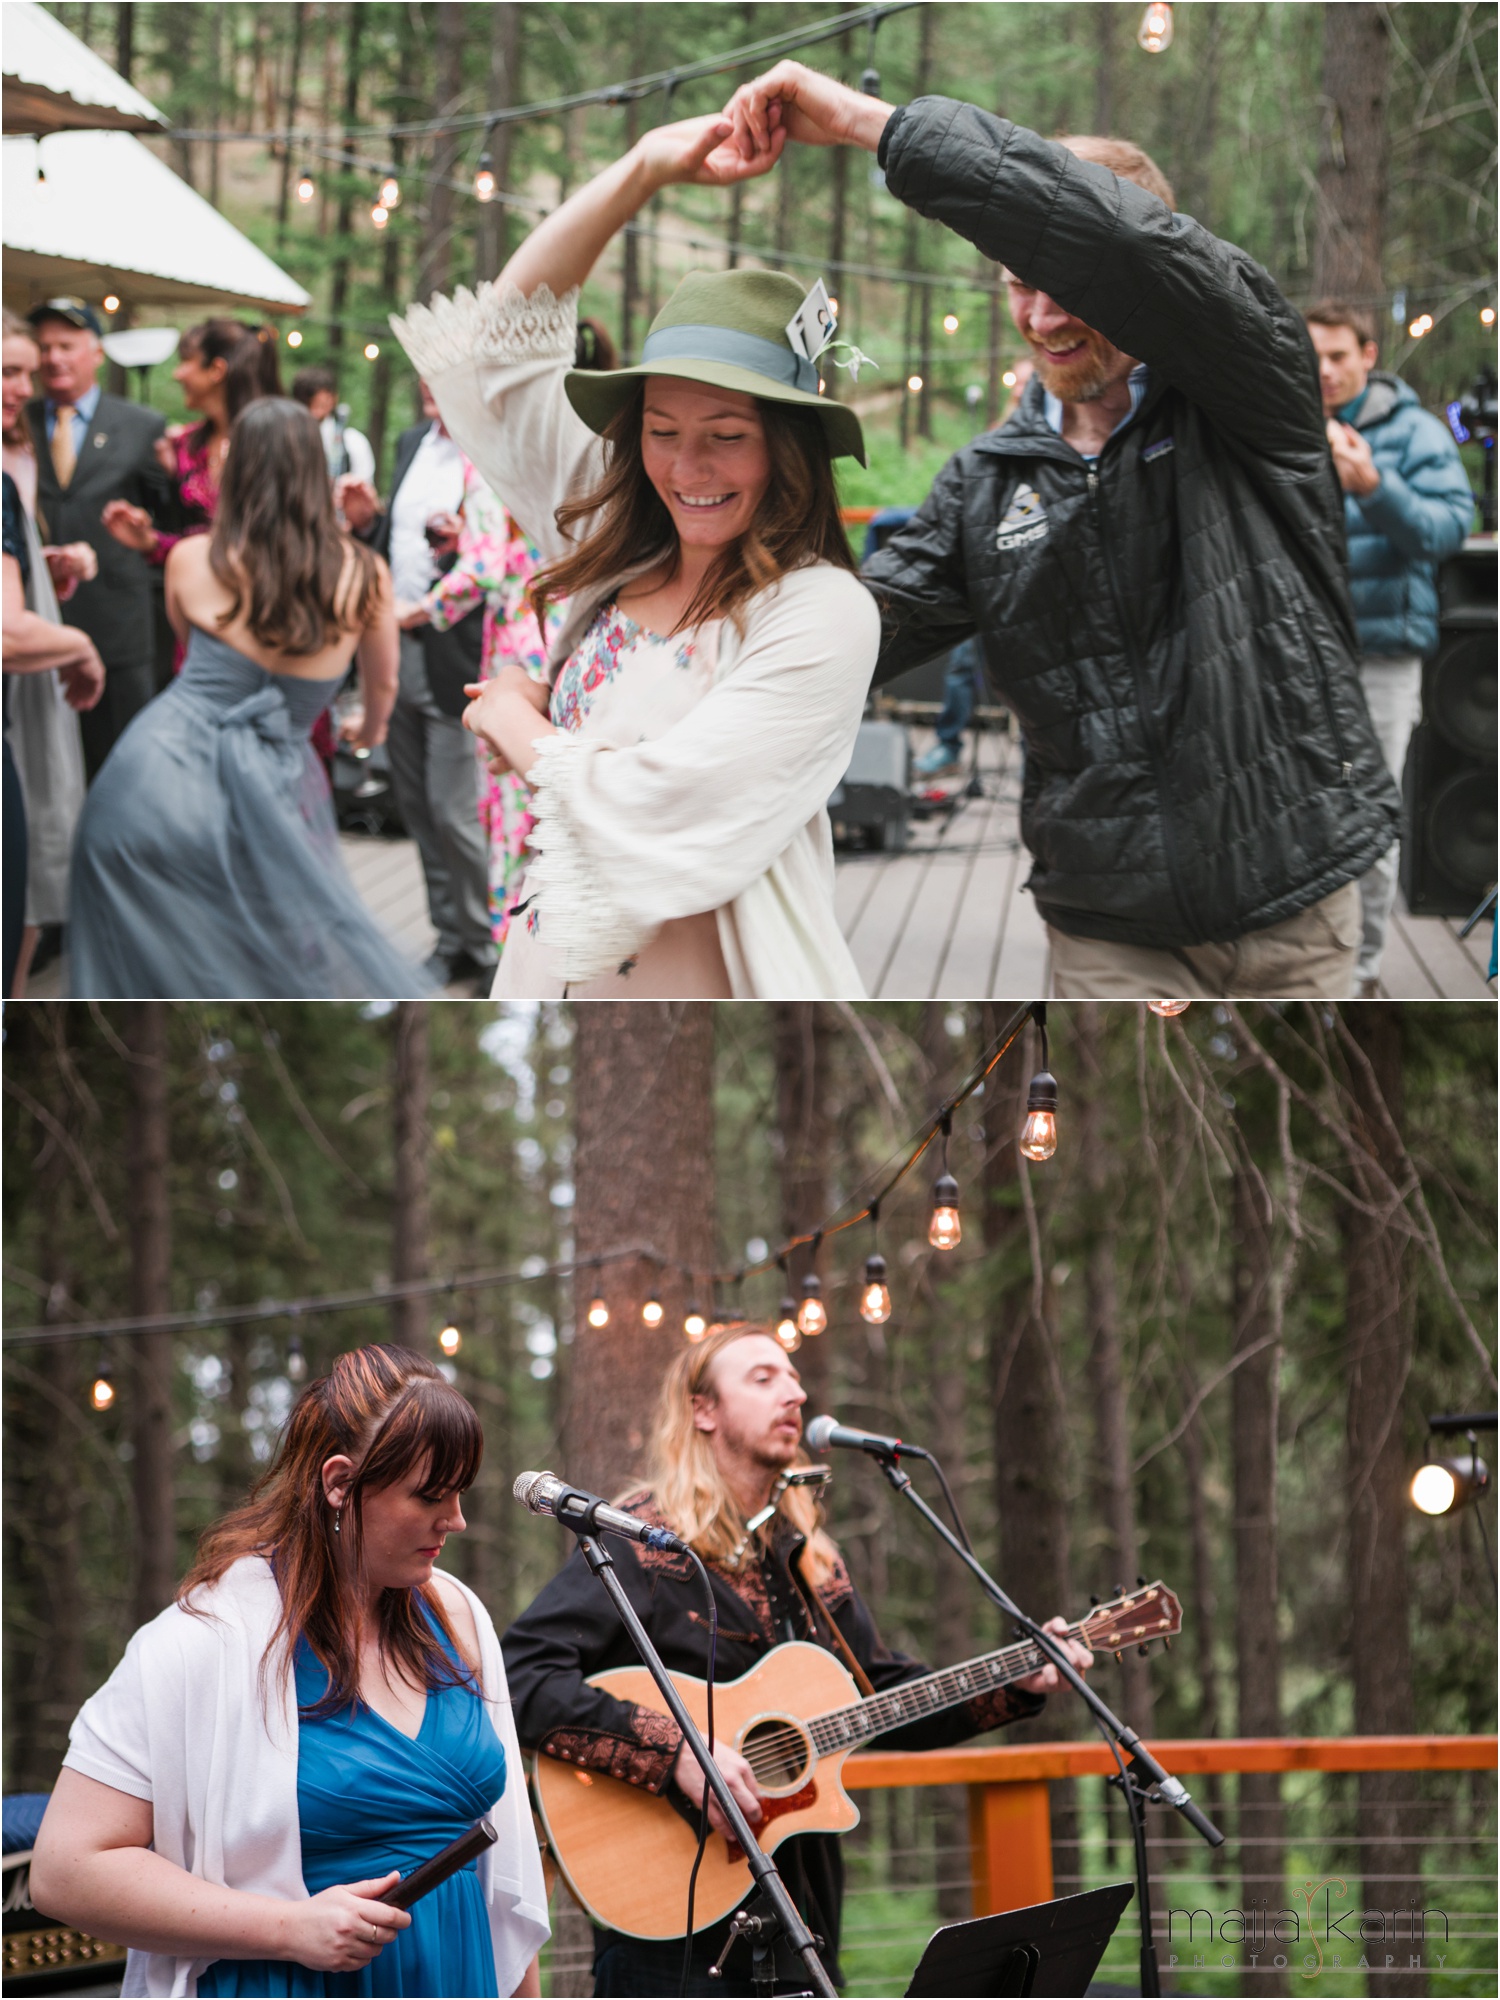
(434, 767)
(90, 449)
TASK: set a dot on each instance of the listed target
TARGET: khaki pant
(1308, 957)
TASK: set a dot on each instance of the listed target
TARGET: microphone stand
(762, 1868)
(1158, 1785)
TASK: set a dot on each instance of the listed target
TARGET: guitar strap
(819, 1613)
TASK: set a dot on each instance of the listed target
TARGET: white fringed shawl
(726, 810)
(185, 1722)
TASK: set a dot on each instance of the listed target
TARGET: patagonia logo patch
(1155, 451)
(1025, 520)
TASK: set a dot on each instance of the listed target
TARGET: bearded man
(728, 1423)
(1152, 553)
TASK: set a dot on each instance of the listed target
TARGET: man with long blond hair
(729, 1424)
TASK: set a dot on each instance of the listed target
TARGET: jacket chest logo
(1025, 520)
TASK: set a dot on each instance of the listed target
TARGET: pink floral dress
(495, 564)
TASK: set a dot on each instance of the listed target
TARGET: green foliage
(1232, 112)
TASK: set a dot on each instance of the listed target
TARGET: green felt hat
(727, 328)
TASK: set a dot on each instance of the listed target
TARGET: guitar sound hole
(776, 1752)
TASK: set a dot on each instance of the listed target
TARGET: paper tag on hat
(811, 327)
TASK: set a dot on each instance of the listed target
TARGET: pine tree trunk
(409, 1100)
(1030, 1422)
(494, 234)
(1253, 1420)
(125, 39)
(1379, 1321)
(293, 86)
(1354, 156)
(436, 270)
(150, 1295)
(338, 298)
(643, 1174)
(1104, 12)
(803, 1044)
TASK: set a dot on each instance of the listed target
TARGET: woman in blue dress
(319, 1712)
(207, 858)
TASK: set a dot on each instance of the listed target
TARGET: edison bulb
(380, 215)
(372, 350)
(1039, 1135)
(294, 338)
(950, 322)
(450, 1340)
(945, 1228)
(598, 1311)
(390, 192)
(914, 383)
(111, 304)
(102, 1395)
(296, 1361)
(652, 1312)
(812, 1314)
(1155, 31)
(695, 1325)
(484, 179)
(787, 1331)
(875, 1293)
(1169, 1009)
(306, 188)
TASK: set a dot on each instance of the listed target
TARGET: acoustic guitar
(626, 1854)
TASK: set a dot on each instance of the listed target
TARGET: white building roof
(111, 217)
(53, 82)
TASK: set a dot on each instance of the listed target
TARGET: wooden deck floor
(946, 920)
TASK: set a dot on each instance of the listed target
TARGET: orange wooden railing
(1010, 1818)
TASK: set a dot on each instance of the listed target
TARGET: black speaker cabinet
(1448, 850)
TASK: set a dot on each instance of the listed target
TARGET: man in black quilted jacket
(1151, 552)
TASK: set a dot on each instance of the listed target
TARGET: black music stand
(1050, 1949)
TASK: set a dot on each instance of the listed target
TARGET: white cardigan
(726, 811)
(182, 1723)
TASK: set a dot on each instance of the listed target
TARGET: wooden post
(1010, 1846)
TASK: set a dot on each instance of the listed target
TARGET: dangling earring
(338, 1519)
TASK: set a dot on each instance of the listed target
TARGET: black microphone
(587, 1514)
(824, 1432)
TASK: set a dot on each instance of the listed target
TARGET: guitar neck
(846, 1728)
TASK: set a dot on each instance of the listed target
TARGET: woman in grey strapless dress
(207, 861)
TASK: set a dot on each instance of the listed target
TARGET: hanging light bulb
(111, 303)
(875, 1293)
(694, 1324)
(390, 192)
(102, 1394)
(372, 350)
(294, 338)
(450, 1340)
(914, 383)
(484, 177)
(1155, 31)
(598, 1314)
(652, 1313)
(380, 215)
(786, 1323)
(812, 1314)
(945, 1228)
(1169, 1009)
(1039, 1133)
(950, 322)
(1486, 315)
(306, 186)
(296, 1361)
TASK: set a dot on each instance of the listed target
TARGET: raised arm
(378, 658)
(495, 359)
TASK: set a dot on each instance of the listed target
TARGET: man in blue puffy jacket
(1407, 505)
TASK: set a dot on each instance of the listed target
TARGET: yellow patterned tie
(64, 457)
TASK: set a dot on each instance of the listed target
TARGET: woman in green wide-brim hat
(707, 682)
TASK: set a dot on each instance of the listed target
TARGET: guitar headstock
(1151, 1612)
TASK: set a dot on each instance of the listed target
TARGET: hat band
(738, 350)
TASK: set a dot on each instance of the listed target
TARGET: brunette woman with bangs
(319, 1712)
(207, 857)
(707, 683)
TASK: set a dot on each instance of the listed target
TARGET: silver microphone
(587, 1514)
(824, 1432)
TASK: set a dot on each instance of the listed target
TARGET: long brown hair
(684, 1476)
(796, 523)
(276, 545)
(391, 1412)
